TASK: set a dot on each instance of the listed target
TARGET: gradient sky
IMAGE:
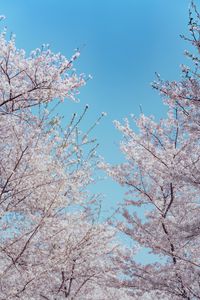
(122, 42)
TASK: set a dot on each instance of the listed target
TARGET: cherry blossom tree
(51, 244)
(161, 172)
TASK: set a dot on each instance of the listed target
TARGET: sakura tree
(162, 206)
(52, 245)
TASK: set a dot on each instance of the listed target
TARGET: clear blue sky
(123, 43)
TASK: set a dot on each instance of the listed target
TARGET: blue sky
(122, 42)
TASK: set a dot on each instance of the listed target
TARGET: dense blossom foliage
(41, 77)
(162, 174)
